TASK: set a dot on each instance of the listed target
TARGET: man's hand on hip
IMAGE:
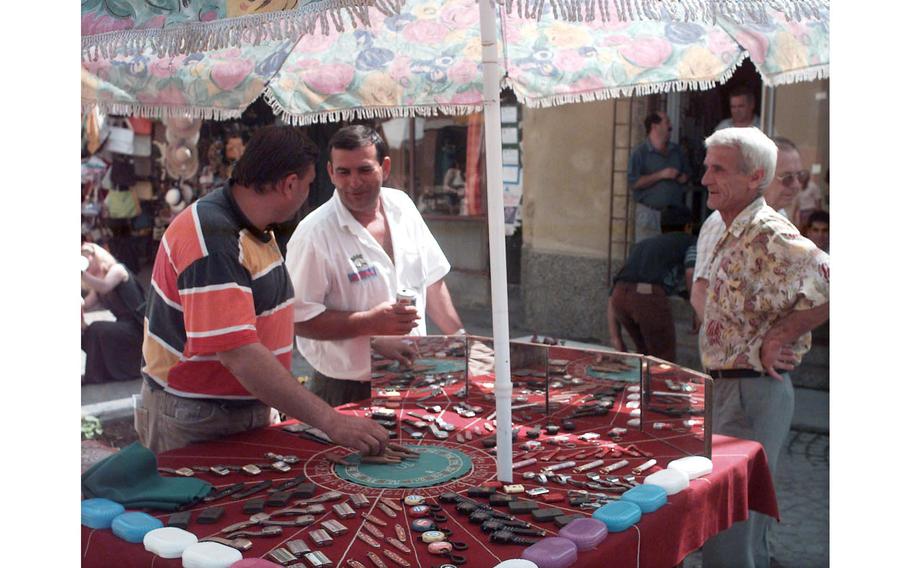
(775, 355)
(391, 318)
(362, 434)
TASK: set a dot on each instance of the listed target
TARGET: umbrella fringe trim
(348, 114)
(159, 111)
(814, 73)
(740, 11)
(235, 32)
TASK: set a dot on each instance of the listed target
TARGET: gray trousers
(338, 391)
(165, 421)
(759, 409)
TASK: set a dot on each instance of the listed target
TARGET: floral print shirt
(760, 270)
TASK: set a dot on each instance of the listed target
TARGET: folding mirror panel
(441, 383)
(677, 406)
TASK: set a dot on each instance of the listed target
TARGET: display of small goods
(164, 165)
(599, 440)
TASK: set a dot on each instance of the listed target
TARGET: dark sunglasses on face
(801, 176)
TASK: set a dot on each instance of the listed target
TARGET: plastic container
(210, 555)
(168, 542)
(133, 526)
(693, 466)
(516, 563)
(99, 513)
(552, 552)
(649, 498)
(618, 515)
(585, 533)
(670, 480)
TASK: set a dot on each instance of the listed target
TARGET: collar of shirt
(346, 219)
(263, 236)
(651, 147)
(745, 217)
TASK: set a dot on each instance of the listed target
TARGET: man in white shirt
(347, 260)
(742, 110)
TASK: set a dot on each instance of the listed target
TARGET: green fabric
(122, 204)
(130, 477)
(434, 466)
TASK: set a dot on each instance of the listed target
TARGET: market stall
(581, 418)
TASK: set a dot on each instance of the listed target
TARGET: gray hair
(757, 151)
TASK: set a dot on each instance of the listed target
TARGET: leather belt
(225, 402)
(645, 288)
(735, 373)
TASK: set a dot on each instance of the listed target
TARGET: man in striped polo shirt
(219, 324)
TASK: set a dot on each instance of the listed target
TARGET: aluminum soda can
(406, 297)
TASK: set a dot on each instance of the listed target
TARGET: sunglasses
(801, 176)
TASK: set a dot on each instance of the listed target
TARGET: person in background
(453, 184)
(113, 349)
(808, 200)
(219, 326)
(658, 173)
(767, 288)
(639, 299)
(347, 260)
(816, 229)
(742, 110)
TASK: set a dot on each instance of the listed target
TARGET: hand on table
(362, 434)
(392, 318)
(775, 355)
(397, 350)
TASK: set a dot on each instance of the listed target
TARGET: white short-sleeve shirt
(335, 264)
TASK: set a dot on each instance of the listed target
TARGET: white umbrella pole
(497, 237)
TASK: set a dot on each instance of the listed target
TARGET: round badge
(422, 525)
(432, 536)
(441, 547)
(412, 500)
(420, 511)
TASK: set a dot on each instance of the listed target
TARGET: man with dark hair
(658, 172)
(347, 260)
(817, 227)
(219, 324)
(742, 109)
(639, 299)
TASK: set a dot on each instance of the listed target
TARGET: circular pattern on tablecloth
(435, 465)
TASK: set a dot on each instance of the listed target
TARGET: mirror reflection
(677, 407)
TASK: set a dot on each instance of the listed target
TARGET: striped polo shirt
(218, 283)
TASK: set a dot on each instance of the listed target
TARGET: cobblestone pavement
(802, 484)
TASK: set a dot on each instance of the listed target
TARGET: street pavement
(802, 482)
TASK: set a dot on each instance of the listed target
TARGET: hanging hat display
(181, 160)
(182, 129)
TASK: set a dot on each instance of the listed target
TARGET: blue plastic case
(618, 515)
(648, 497)
(132, 526)
(98, 513)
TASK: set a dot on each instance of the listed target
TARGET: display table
(740, 481)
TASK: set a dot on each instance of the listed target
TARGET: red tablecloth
(740, 481)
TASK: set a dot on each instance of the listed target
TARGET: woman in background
(113, 349)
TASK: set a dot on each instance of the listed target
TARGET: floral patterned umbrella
(424, 58)
(429, 56)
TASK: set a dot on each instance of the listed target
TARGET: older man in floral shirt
(767, 289)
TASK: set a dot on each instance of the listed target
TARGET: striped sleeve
(218, 307)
